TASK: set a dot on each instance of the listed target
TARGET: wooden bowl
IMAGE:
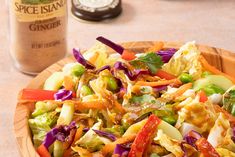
(221, 59)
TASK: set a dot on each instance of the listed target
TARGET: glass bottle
(38, 30)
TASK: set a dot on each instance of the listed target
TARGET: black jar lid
(96, 10)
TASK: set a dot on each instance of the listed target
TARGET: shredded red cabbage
(58, 133)
(50, 138)
(105, 134)
(118, 48)
(80, 59)
(122, 149)
(192, 137)
(233, 136)
(63, 95)
(103, 68)
(166, 54)
(86, 129)
(132, 76)
(102, 133)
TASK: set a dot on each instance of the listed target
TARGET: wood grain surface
(221, 59)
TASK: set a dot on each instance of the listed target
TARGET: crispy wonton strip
(90, 105)
(160, 83)
(156, 47)
(82, 151)
(182, 89)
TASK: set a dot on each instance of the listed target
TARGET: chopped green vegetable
(40, 125)
(58, 149)
(77, 70)
(43, 107)
(206, 73)
(217, 80)
(186, 78)
(152, 61)
(233, 110)
(212, 89)
(116, 130)
(111, 83)
(66, 114)
(166, 115)
(91, 140)
(54, 82)
(154, 155)
(171, 120)
(229, 101)
(86, 90)
(65, 118)
(170, 130)
(146, 98)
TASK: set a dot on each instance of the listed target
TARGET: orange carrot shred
(212, 69)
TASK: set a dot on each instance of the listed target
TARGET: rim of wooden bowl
(222, 59)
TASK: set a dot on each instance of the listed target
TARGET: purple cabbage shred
(110, 136)
(132, 76)
(80, 59)
(118, 48)
(63, 95)
(166, 54)
(58, 133)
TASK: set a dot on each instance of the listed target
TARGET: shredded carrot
(119, 107)
(67, 153)
(109, 148)
(212, 69)
(163, 74)
(228, 115)
(78, 134)
(160, 83)
(90, 105)
(182, 89)
(156, 47)
(136, 89)
(90, 122)
(68, 83)
(128, 55)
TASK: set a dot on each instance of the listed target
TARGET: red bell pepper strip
(144, 136)
(202, 96)
(206, 148)
(37, 94)
(165, 75)
(42, 151)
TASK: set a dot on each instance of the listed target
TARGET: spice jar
(38, 30)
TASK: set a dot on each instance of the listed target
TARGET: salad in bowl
(162, 102)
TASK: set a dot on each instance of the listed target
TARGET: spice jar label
(28, 10)
(38, 36)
